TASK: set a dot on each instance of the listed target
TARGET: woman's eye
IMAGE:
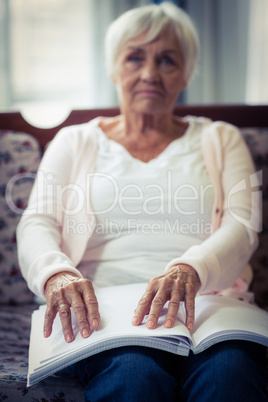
(134, 59)
(167, 61)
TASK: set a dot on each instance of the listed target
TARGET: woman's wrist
(63, 274)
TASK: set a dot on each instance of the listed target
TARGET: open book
(218, 318)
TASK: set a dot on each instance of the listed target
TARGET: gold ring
(63, 305)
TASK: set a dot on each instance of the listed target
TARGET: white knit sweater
(46, 246)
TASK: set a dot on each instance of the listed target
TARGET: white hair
(153, 19)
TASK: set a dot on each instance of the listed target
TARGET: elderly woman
(101, 183)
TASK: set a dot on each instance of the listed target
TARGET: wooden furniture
(239, 115)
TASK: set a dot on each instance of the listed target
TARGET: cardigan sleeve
(39, 233)
(221, 258)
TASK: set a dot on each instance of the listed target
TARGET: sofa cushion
(15, 322)
(19, 159)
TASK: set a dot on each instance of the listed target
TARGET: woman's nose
(150, 71)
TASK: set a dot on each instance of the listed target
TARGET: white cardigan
(45, 247)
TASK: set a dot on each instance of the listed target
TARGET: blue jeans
(231, 371)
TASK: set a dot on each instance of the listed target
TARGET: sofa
(22, 146)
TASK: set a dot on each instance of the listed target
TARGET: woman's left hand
(179, 283)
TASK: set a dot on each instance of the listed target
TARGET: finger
(143, 307)
(50, 315)
(66, 322)
(190, 304)
(80, 311)
(174, 304)
(91, 304)
(161, 297)
(156, 308)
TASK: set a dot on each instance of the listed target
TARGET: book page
(217, 315)
(216, 318)
(116, 306)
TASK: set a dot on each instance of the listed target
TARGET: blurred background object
(52, 54)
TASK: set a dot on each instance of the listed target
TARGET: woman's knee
(230, 371)
(129, 373)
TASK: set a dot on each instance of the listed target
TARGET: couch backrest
(239, 115)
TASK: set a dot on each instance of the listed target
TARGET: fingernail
(135, 321)
(190, 326)
(95, 323)
(168, 324)
(85, 333)
(68, 338)
(45, 334)
(150, 324)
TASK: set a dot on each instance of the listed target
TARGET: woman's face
(149, 77)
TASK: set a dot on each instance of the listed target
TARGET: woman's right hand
(65, 290)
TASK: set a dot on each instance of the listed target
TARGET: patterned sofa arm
(19, 160)
(257, 141)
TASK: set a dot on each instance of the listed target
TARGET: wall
(223, 26)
